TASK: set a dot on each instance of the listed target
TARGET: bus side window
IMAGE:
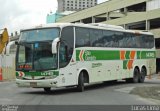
(82, 37)
(63, 54)
(138, 41)
(96, 38)
(108, 38)
(66, 46)
(130, 40)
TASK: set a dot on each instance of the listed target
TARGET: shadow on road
(60, 91)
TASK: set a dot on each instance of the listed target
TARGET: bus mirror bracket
(9, 46)
(54, 45)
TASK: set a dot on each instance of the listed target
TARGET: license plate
(33, 84)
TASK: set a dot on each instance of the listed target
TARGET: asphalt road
(99, 94)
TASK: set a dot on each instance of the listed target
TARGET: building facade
(52, 17)
(75, 5)
(131, 14)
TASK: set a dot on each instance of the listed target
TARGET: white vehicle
(66, 54)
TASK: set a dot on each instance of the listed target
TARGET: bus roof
(93, 25)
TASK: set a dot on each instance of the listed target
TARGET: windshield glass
(36, 56)
(25, 56)
(47, 34)
(43, 57)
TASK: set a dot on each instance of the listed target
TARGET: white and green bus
(66, 54)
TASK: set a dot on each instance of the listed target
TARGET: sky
(19, 14)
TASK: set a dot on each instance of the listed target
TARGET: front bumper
(37, 83)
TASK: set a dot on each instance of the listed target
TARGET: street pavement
(96, 94)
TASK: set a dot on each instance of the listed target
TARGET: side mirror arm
(54, 45)
(9, 46)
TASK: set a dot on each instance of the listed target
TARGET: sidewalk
(153, 77)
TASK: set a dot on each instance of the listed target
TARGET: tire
(136, 75)
(135, 78)
(80, 86)
(47, 90)
(142, 75)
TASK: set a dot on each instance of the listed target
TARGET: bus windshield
(36, 56)
(35, 49)
(47, 34)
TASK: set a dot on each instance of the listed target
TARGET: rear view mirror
(9, 46)
(54, 45)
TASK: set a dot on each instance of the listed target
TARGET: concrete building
(75, 5)
(52, 17)
(131, 14)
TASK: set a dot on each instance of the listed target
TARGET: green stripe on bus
(127, 55)
(91, 55)
(138, 54)
(125, 62)
(77, 54)
(148, 54)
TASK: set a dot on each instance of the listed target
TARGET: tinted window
(96, 38)
(115, 39)
(108, 37)
(149, 40)
(144, 41)
(82, 37)
(48, 34)
(66, 46)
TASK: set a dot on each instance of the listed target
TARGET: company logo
(150, 55)
(86, 56)
(47, 73)
(21, 74)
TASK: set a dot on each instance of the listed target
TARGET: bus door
(67, 65)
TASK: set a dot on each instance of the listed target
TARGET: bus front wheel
(48, 89)
(80, 86)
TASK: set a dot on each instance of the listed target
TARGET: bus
(74, 54)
